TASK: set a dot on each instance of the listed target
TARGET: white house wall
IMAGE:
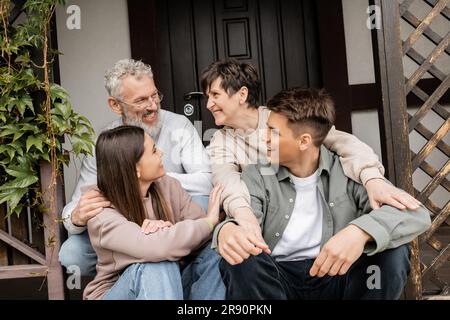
(102, 40)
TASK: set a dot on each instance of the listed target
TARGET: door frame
(333, 72)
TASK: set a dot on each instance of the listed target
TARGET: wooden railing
(399, 124)
(29, 244)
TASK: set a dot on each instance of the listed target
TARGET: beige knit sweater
(232, 150)
(120, 243)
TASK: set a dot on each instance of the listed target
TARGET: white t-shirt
(302, 237)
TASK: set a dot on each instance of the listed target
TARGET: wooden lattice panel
(435, 243)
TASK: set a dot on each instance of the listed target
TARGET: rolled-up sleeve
(388, 226)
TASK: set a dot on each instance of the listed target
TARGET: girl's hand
(152, 226)
(214, 204)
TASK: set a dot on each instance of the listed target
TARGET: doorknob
(194, 94)
(188, 110)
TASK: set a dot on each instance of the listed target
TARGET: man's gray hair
(122, 68)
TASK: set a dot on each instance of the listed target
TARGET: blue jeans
(77, 249)
(199, 280)
(261, 277)
(148, 281)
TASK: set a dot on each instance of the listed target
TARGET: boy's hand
(340, 252)
(236, 245)
(247, 220)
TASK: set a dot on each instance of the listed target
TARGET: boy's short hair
(235, 75)
(305, 108)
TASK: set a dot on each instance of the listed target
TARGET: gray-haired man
(134, 95)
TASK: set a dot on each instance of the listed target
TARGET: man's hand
(247, 220)
(152, 226)
(236, 244)
(380, 192)
(91, 203)
(340, 252)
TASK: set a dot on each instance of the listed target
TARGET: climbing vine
(35, 113)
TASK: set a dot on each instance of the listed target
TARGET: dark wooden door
(181, 38)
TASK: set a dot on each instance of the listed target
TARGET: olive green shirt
(344, 202)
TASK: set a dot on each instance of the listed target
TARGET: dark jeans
(381, 276)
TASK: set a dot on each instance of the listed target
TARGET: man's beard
(132, 120)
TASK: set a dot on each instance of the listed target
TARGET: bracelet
(210, 224)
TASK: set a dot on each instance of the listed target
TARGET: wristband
(210, 224)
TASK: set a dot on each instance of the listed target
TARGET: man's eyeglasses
(142, 103)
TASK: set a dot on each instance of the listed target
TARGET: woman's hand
(214, 204)
(152, 226)
(380, 192)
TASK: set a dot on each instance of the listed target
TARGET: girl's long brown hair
(118, 151)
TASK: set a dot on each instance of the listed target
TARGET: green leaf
(82, 128)
(35, 141)
(8, 130)
(29, 127)
(46, 157)
(64, 158)
(11, 153)
(60, 124)
(16, 172)
(40, 118)
(22, 169)
(11, 103)
(19, 146)
(18, 135)
(84, 119)
(4, 101)
(57, 91)
(23, 59)
(11, 130)
(9, 150)
(12, 197)
(16, 210)
(23, 103)
(19, 183)
(82, 144)
(63, 109)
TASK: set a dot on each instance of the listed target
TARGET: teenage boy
(325, 240)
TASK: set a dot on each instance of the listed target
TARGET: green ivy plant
(35, 113)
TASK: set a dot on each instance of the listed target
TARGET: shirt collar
(325, 162)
